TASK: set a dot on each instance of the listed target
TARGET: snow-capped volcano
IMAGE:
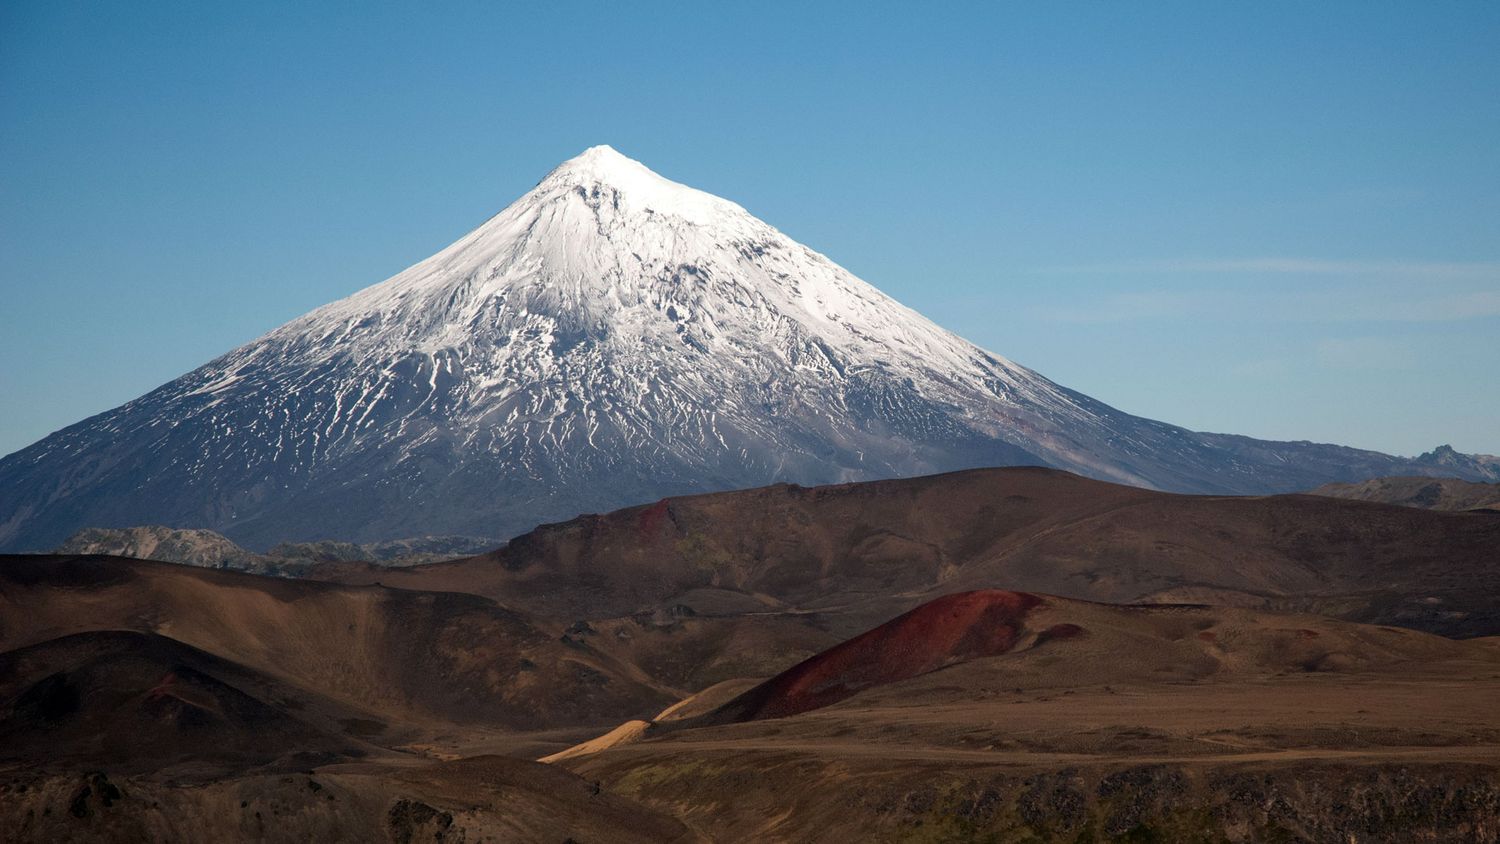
(609, 338)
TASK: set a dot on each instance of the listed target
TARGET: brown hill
(848, 556)
(1424, 493)
(301, 711)
(143, 702)
(399, 657)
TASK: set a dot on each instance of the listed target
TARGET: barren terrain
(843, 663)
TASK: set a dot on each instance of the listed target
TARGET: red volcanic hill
(951, 629)
(962, 648)
(1103, 642)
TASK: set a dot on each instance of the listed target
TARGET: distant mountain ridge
(206, 549)
(1425, 493)
(610, 338)
(1470, 467)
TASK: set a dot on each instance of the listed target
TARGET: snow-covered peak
(601, 164)
(601, 170)
(646, 269)
(609, 338)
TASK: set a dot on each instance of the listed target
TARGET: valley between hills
(1008, 654)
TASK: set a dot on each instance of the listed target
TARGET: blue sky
(1277, 219)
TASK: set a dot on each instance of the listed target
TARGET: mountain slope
(609, 338)
(1426, 493)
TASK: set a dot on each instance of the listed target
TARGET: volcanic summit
(610, 338)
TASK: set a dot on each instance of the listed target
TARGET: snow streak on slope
(609, 338)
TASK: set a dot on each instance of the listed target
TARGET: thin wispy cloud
(1442, 308)
(1365, 353)
(1275, 306)
(1295, 266)
(1330, 291)
(1262, 368)
(1127, 307)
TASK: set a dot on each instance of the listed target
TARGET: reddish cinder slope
(954, 628)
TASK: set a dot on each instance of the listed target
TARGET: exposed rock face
(212, 550)
(169, 545)
(394, 552)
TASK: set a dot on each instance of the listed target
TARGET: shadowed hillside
(403, 656)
